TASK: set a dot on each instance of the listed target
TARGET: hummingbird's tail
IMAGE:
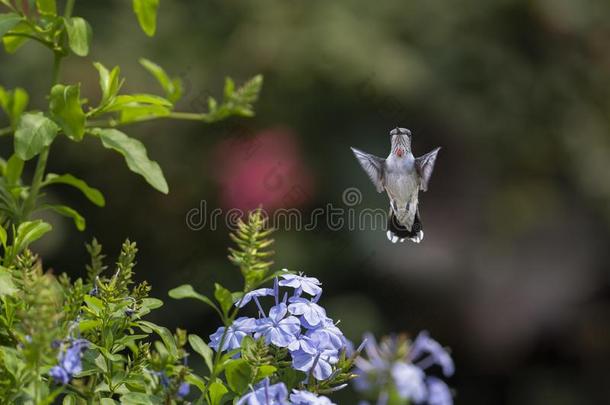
(398, 232)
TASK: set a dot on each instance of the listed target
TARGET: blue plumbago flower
(308, 398)
(163, 379)
(316, 354)
(438, 392)
(311, 312)
(266, 394)
(300, 283)
(388, 366)
(69, 362)
(240, 328)
(277, 328)
(261, 292)
(59, 375)
(409, 381)
(183, 390)
(437, 354)
(334, 333)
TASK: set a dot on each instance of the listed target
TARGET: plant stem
(69, 8)
(46, 43)
(57, 57)
(41, 165)
(30, 201)
(174, 115)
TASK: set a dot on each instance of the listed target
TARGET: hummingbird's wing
(425, 165)
(373, 166)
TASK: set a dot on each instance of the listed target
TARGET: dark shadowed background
(513, 273)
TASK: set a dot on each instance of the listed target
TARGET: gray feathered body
(401, 182)
(402, 176)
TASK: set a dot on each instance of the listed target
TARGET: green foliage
(34, 133)
(127, 358)
(66, 110)
(46, 7)
(252, 252)
(79, 35)
(92, 194)
(123, 358)
(187, 291)
(135, 156)
(69, 113)
(8, 22)
(235, 101)
(13, 103)
(146, 11)
(171, 86)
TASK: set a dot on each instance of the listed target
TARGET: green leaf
(13, 103)
(7, 22)
(66, 211)
(34, 133)
(264, 371)
(79, 35)
(137, 398)
(224, 297)
(135, 113)
(187, 291)
(95, 304)
(7, 287)
(171, 87)
(110, 83)
(66, 110)
(69, 400)
(29, 232)
(13, 42)
(217, 391)
(196, 381)
(165, 335)
(3, 236)
(229, 88)
(85, 326)
(47, 6)
(92, 194)
(235, 101)
(200, 347)
(135, 156)
(151, 303)
(13, 170)
(239, 375)
(146, 11)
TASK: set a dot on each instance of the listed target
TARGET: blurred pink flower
(262, 170)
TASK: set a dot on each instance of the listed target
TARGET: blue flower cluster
(69, 361)
(296, 322)
(394, 367)
(277, 394)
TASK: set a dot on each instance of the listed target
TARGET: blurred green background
(514, 271)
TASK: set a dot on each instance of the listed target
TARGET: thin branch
(46, 43)
(174, 115)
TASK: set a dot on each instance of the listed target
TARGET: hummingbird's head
(401, 141)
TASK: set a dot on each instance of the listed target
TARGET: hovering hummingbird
(402, 176)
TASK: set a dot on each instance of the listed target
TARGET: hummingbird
(402, 176)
